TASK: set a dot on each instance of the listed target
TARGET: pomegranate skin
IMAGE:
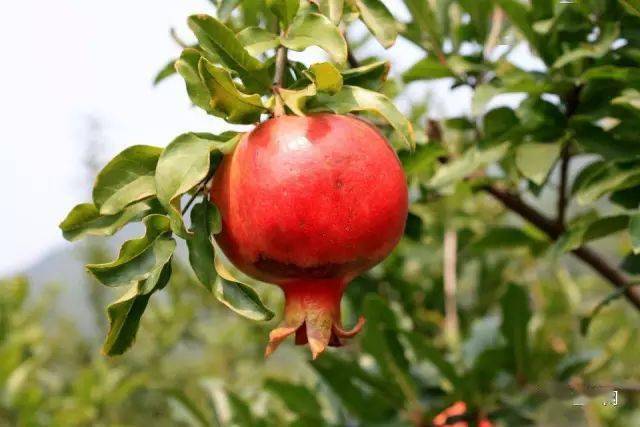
(308, 203)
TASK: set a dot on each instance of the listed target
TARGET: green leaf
(298, 398)
(380, 340)
(227, 100)
(472, 159)
(296, 99)
(238, 296)
(165, 72)
(316, 30)
(504, 237)
(332, 9)
(353, 98)
(126, 179)
(362, 392)
(379, 20)
(257, 40)
(516, 314)
(634, 232)
(217, 39)
(427, 68)
(535, 160)
(500, 124)
(631, 6)
(605, 179)
(425, 351)
(582, 232)
(609, 33)
(126, 312)
(140, 258)
(629, 97)
(369, 76)
(425, 18)
(85, 220)
(225, 8)
(183, 165)
(326, 77)
(518, 15)
(285, 10)
(205, 222)
(187, 67)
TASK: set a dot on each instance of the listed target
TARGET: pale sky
(66, 60)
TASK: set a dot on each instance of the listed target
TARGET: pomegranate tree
(308, 203)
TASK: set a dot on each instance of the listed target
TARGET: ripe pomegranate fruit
(308, 203)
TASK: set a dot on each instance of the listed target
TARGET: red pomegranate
(308, 203)
(458, 409)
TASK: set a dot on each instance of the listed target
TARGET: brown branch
(553, 229)
(565, 158)
(177, 39)
(201, 187)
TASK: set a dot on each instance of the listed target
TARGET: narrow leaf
(126, 312)
(370, 76)
(139, 258)
(205, 221)
(257, 40)
(535, 160)
(326, 77)
(221, 41)
(516, 314)
(85, 220)
(332, 9)
(296, 99)
(126, 179)
(238, 296)
(187, 67)
(379, 20)
(634, 232)
(316, 30)
(165, 72)
(227, 100)
(182, 166)
(427, 68)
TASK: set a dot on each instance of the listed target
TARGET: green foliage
(563, 156)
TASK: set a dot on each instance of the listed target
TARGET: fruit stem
(278, 79)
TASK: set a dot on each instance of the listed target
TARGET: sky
(75, 61)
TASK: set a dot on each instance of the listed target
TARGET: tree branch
(278, 79)
(450, 284)
(553, 229)
(562, 190)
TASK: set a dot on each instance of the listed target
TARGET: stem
(494, 35)
(278, 79)
(562, 191)
(553, 229)
(202, 186)
(450, 285)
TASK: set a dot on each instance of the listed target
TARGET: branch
(201, 187)
(278, 79)
(177, 39)
(450, 284)
(553, 229)
(565, 157)
(494, 35)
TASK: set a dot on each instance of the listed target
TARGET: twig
(278, 79)
(494, 34)
(565, 158)
(554, 230)
(450, 284)
(202, 186)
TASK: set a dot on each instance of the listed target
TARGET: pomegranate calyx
(312, 313)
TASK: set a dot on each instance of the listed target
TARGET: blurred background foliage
(528, 331)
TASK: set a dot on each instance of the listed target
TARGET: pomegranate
(308, 203)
